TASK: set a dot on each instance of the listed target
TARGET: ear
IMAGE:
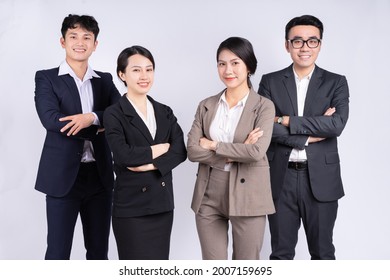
(122, 76)
(286, 45)
(62, 42)
(96, 43)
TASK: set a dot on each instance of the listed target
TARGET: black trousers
(93, 202)
(296, 203)
(143, 238)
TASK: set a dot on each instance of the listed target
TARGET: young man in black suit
(75, 170)
(311, 112)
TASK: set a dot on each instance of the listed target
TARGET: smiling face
(79, 44)
(138, 75)
(232, 70)
(304, 58)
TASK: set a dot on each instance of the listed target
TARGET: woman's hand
(159, 149)
(253, 136)
(143, 168)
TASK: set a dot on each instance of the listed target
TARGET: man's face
(304, 57)
(79, 44)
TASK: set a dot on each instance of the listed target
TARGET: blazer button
(144, 189)
(242, 180)
(163, 184)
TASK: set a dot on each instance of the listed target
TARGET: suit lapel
(134, 119)
(314, 84)
(73, 91)
(291, 87)
(162, 122)
(211, 107)
(247, 115)
(95, 82)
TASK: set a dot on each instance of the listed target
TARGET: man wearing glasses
(311, 112)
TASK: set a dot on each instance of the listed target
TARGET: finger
(76, 130)
(72, 129)
(66, 127)
(67, 118)
(255, 130)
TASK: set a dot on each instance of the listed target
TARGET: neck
(79, 68)
(303, 71)
(138, 99)
(234, 95)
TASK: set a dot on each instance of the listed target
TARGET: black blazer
(325, 90)
(56, 97)
(142, 193)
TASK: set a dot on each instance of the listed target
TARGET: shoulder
(47, 72)
(116, 108)
(104, 76)
(278, 74)
(258, 100)
(211, 100)
(158, 105)
(327, 75)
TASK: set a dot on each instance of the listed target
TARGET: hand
(100, 130)
(253, 136)
(77, 122)
(315, 139)
(143, 168)
(159, 149)
(208, 144)
(330, 111)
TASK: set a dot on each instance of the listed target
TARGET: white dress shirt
(225, 122)
(86, 97)
(302, 85)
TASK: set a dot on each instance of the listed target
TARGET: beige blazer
(249, 184)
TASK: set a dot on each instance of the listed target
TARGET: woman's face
(232, 70)
(138, 75)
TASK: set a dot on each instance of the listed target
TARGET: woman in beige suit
(229, 138)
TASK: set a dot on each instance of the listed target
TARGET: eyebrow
(299, 37)
(84, 34)
(234, 59)
(138, 66)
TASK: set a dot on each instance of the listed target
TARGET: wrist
(214, 145)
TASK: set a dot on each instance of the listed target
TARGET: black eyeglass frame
(305, 42)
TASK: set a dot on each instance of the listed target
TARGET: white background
(183, 36)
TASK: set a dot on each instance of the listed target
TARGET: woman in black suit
(147, 143)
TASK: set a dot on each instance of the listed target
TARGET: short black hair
(123, 61)
(304, 20)
(87, 22)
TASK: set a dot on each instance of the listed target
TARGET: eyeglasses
(312, 43)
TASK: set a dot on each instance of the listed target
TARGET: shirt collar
(306, 77)
(66, 69)
(242, 102)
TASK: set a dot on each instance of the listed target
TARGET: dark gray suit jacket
(325, 90)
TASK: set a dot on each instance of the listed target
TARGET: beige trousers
(212, 222)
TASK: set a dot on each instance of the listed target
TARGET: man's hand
(329, 112)
(77, 122)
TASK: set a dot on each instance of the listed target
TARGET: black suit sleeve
(280, 133)
(177, 152)
(326, 126)
(48, 105)
(125, 154)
